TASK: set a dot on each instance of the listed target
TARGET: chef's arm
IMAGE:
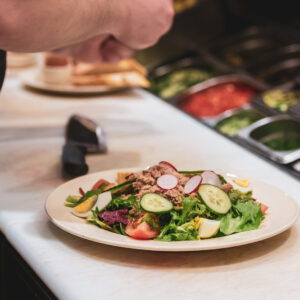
(38, 25)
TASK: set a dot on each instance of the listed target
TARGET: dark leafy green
(118, 203)
(119, 228)
(181, 225)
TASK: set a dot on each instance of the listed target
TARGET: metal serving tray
(286, 122)
(294, 111)
(246, 110)
(189, 59)
(277, 67)
(246, 45)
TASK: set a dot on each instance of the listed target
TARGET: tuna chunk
(227, 187)
(145, 182)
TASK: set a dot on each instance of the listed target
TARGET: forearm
(38, 25)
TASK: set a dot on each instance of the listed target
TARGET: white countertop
(141, 130)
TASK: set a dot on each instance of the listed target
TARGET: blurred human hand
(143, 22)
(102, 48)
(139, 25)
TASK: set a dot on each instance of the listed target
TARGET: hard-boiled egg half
(208, 228)
(84, 209)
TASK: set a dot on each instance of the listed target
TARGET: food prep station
(142, 129)
(255, 57)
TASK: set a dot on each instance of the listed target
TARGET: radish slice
(167, 164)
(193, 184)
(210, 177)
(167, 182)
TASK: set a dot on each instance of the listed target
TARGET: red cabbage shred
(112, 217)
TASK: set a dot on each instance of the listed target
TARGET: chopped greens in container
(279, 135)
(283, 143)
(177, 82)
(233, 124)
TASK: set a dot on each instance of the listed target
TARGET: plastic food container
(215, 96)
(277, 137)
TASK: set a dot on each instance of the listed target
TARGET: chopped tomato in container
(214, 100)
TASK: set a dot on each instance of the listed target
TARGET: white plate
(32, 79)
(282, 214)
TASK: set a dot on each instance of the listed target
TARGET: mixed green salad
(164, 204)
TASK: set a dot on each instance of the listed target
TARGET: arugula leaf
(243, 216)
(119, 228)
(118, 203)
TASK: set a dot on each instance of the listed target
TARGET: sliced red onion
(210, 177)
(167, 182)
(193, 184)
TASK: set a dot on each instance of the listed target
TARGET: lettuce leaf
(181, 226)
(243, 216)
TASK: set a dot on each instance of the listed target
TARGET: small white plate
(31, 78)
(282, 214)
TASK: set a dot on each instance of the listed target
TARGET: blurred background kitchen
(232, 65)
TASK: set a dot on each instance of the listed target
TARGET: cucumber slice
(120, 189)
(214, 198)
(155, 203)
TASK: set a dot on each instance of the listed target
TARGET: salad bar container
(278, 137)
(173, 78)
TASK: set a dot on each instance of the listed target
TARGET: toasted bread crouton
(121, 177)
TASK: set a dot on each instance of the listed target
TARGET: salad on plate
(165, 204)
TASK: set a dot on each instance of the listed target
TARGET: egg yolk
(86, 205)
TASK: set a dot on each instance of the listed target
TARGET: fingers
(100, 49)
(114, 51)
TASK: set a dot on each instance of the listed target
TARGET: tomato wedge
(138, 228)
(264, 207)
(98, 184)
